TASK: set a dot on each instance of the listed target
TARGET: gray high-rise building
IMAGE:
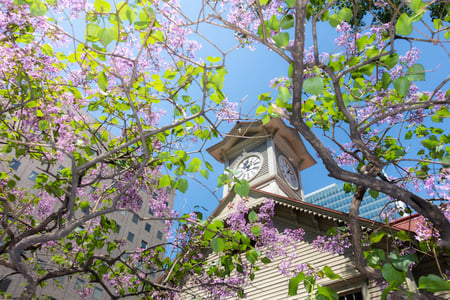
(334, 197)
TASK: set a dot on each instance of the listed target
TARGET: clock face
(288, 171)
(249, 167)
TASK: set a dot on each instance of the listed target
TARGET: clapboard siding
(270, 284)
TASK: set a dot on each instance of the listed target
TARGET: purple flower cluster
(131, 198)
(335, 243)
(347, 38)
(45, 205)
(228, 111)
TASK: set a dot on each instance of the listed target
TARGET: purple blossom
(410, 57)
(335, 243)
(228, 111)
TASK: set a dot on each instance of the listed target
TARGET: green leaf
(433, 283)
(260, 110)
(309, 283)
(182, 185)
(390, 60)
(294, 282)
(416, 5)
(84, 205)
(313, 85)
(403, 236)
(325, 292)
(446, 159)
(374, 194)
(92, 31)
(217, 244)
(416, 73)
(387, 290)
(164, 181)
(334, 20)
(253, 216)
(274, 24)
(330, 274)
(287, 22)
(404, 25)
(213, 59)
(263, 2)
(402, 263)
(346, 14)
(222, 180)
(375, 257)
(252, 256)
(402, 85)
(106, 35)
(43, 125)
(102, 6)
(38, 9)
(281, 39)
(408, 135)
(290, 3)
(242, 188)
(102, 81)
(284, 95)
(376, 237)
(256, 230)
(392, 275)
(205, 173)
(265, 260)
(194, 165)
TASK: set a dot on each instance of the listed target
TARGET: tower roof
(256, 129)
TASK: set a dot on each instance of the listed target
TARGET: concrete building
(136, 233)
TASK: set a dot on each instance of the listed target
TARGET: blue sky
(249, 73)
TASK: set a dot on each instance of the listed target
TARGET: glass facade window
(334, 197)
(33, 175)
(130, 236)
(97, 293)
(79, 284)
(4, 284)
(14, 164)
(143, 244)
(135, 218)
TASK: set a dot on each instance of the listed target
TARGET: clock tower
(270, 157)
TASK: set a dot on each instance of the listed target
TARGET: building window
(33, 175)
(97, 294)
(61, 279)
(60, 168)
(135, 218)
(79, 284)
(118, 228)
(130, 236)
(159, 235)
(352, 296)
(4, 284)
(143, 244)
(14, 164)
(148, 227)
(150, 211)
